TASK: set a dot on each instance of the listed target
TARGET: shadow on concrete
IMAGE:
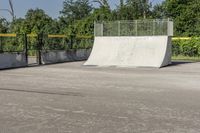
(177, 63)
(37, 65)
(44, 92)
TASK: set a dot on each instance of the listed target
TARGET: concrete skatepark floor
(71, 98)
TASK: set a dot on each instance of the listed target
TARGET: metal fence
(11, 43)
(62, 42)
(35, 42)
(147, 27)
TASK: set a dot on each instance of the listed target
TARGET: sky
(51, 7)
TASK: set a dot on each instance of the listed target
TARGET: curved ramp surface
(146, 51)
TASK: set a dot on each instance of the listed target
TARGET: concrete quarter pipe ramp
(139, 51)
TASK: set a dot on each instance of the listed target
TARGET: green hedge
(190, 48)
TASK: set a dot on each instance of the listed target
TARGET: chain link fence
(11, 43)
(145, 27)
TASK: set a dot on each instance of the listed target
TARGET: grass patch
(186, 58)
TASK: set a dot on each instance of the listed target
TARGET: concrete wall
(144, 51)
(12, 60)
(57, 56)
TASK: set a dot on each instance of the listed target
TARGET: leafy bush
(189, 48)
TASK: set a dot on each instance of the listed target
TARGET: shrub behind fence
(190, 47)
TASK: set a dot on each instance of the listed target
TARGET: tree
(75, 9)
(17, 26)
(3, 25)
(121, 3)
(36, 21)
(138, 8)
(132, 9)
(185, 13)
(103, 3)
(158, 11)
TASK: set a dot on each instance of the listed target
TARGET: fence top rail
(185, 38)
(133, 21)
(57, 36)
(15, 35)
(49, 35)
(84, 36)
(8, 35)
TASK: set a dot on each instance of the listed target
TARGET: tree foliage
(133, 9)
(185, 13)
(75, 10)
(3, 25)
(36, 21)
(103, 3)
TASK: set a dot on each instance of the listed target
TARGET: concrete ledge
(58, 56)
(12, 60)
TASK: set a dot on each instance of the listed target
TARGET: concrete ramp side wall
(12, 60)
(146, 51)
(58, 56)
(168, 54)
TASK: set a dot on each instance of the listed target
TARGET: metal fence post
(169, 28)
(136, 27)
(94, 28)
(1, 44)
(39, 48)
(119, 28)
(71, 41)
(154, 22)
(26, 47)
(102, 29)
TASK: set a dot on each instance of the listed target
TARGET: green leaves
(35, 21)
(3, 25)
(76, 9)
(133, 9)
(189, 48)
(185, 13)
(103, 3)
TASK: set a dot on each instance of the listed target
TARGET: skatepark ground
(71, 98)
